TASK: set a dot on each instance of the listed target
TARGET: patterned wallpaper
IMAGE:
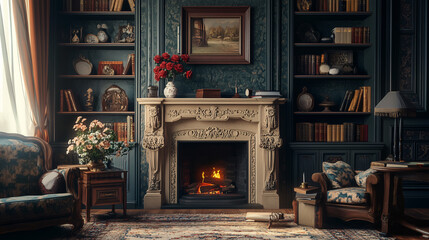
(224, 77)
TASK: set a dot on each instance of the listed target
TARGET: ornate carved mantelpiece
(171, 120)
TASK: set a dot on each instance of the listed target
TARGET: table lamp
(395, 105)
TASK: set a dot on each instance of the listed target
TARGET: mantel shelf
(98, 45)
(334, 45)
(97, 76)
(327, 76)
(97, 113)
(332, 113)
(211, 101)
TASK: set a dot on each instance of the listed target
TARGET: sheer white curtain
(15, 113)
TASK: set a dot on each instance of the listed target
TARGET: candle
(303, 177)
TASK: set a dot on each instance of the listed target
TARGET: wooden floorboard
(402, 234)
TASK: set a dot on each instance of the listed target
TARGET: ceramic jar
(170, 90)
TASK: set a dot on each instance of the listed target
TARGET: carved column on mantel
(211, 119)
(270, 141)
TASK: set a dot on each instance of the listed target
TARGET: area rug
(203, 226)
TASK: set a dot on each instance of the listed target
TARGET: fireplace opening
(212, 173)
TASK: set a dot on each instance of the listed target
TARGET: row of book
(68, 101)
(341, 5)
(124, 131)
(97, 5)
(323, 132)
(309, 64)
(351, 35)
(358, 100)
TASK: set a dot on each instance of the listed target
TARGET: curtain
(15, 113)
(33, 49)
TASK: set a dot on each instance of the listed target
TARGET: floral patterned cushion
(362, 176)
(21, 165)
(351, 195)
(340, 174)
(35, 207)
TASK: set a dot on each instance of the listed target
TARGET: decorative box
(208, 93)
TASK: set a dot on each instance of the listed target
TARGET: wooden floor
(401, 234)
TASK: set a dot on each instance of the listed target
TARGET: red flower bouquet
(171, 66)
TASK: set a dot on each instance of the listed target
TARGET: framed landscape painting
(216, 35)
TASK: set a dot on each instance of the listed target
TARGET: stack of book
(399, 164)
(341, 5)
(97, 5)
(124, 131)
(267, 94)
(358, 100)
(117, 66)
(351, 35)
(323, 132)
(68, 101)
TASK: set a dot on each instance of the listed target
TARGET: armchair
(23, 206)
(351, 202)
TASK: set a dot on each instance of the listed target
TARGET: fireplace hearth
(211, 152)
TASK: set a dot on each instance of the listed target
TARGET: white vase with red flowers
(169, 67)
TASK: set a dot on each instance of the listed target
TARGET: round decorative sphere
(102, 36)
(334, 71)
(170, 90)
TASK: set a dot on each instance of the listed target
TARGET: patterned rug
(196, 226)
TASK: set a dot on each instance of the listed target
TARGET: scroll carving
(153, 119)
(153, 142)
(270, 121)
(271, 142)
(213, 132)
(212, 113)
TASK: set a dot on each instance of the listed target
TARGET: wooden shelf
(331, 113)
(334, 45)
(97, 113)
(99, 77)
(333, 14)
(327, 76)
(98, 13)
(98, 45)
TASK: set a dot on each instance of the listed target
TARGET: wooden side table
(103, 188)
(308, 212)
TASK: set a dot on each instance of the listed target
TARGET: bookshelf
(307, 156)
(64, 76)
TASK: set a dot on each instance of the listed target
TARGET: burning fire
(216, 174)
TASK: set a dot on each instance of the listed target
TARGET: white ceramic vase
(170, 90)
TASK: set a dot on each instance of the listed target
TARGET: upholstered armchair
(25, 203)
(350, 195)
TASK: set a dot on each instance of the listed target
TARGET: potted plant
(168, 68)
(95, 144)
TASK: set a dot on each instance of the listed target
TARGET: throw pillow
(340, 174)
(52, 182)
(362, 176)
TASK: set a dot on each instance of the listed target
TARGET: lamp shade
(395, 105)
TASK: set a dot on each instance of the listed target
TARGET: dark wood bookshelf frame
(100, 77)
(326, 13)
(98, 45)
(333, 113)
(334, 45)
(327, 76)
(97, 113)
(98, 13)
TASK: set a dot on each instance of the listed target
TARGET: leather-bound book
(61, 100)
(342, 133)
(329, 133)
(359, 101)
(354, 101)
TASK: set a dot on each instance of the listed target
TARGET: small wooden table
(393, 207)
(103, 188)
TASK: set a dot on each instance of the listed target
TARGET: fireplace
(233, 143)
(212, 174)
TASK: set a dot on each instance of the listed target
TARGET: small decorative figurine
(108, 70)
(75, 34)
(89, 101)
(102, 34)
(327, 104)
(126, 34)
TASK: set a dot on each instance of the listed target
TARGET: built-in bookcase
(308, 156)
(65, 77)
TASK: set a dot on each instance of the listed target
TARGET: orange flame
(216, 174)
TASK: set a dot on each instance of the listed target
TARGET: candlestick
(303, 177)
